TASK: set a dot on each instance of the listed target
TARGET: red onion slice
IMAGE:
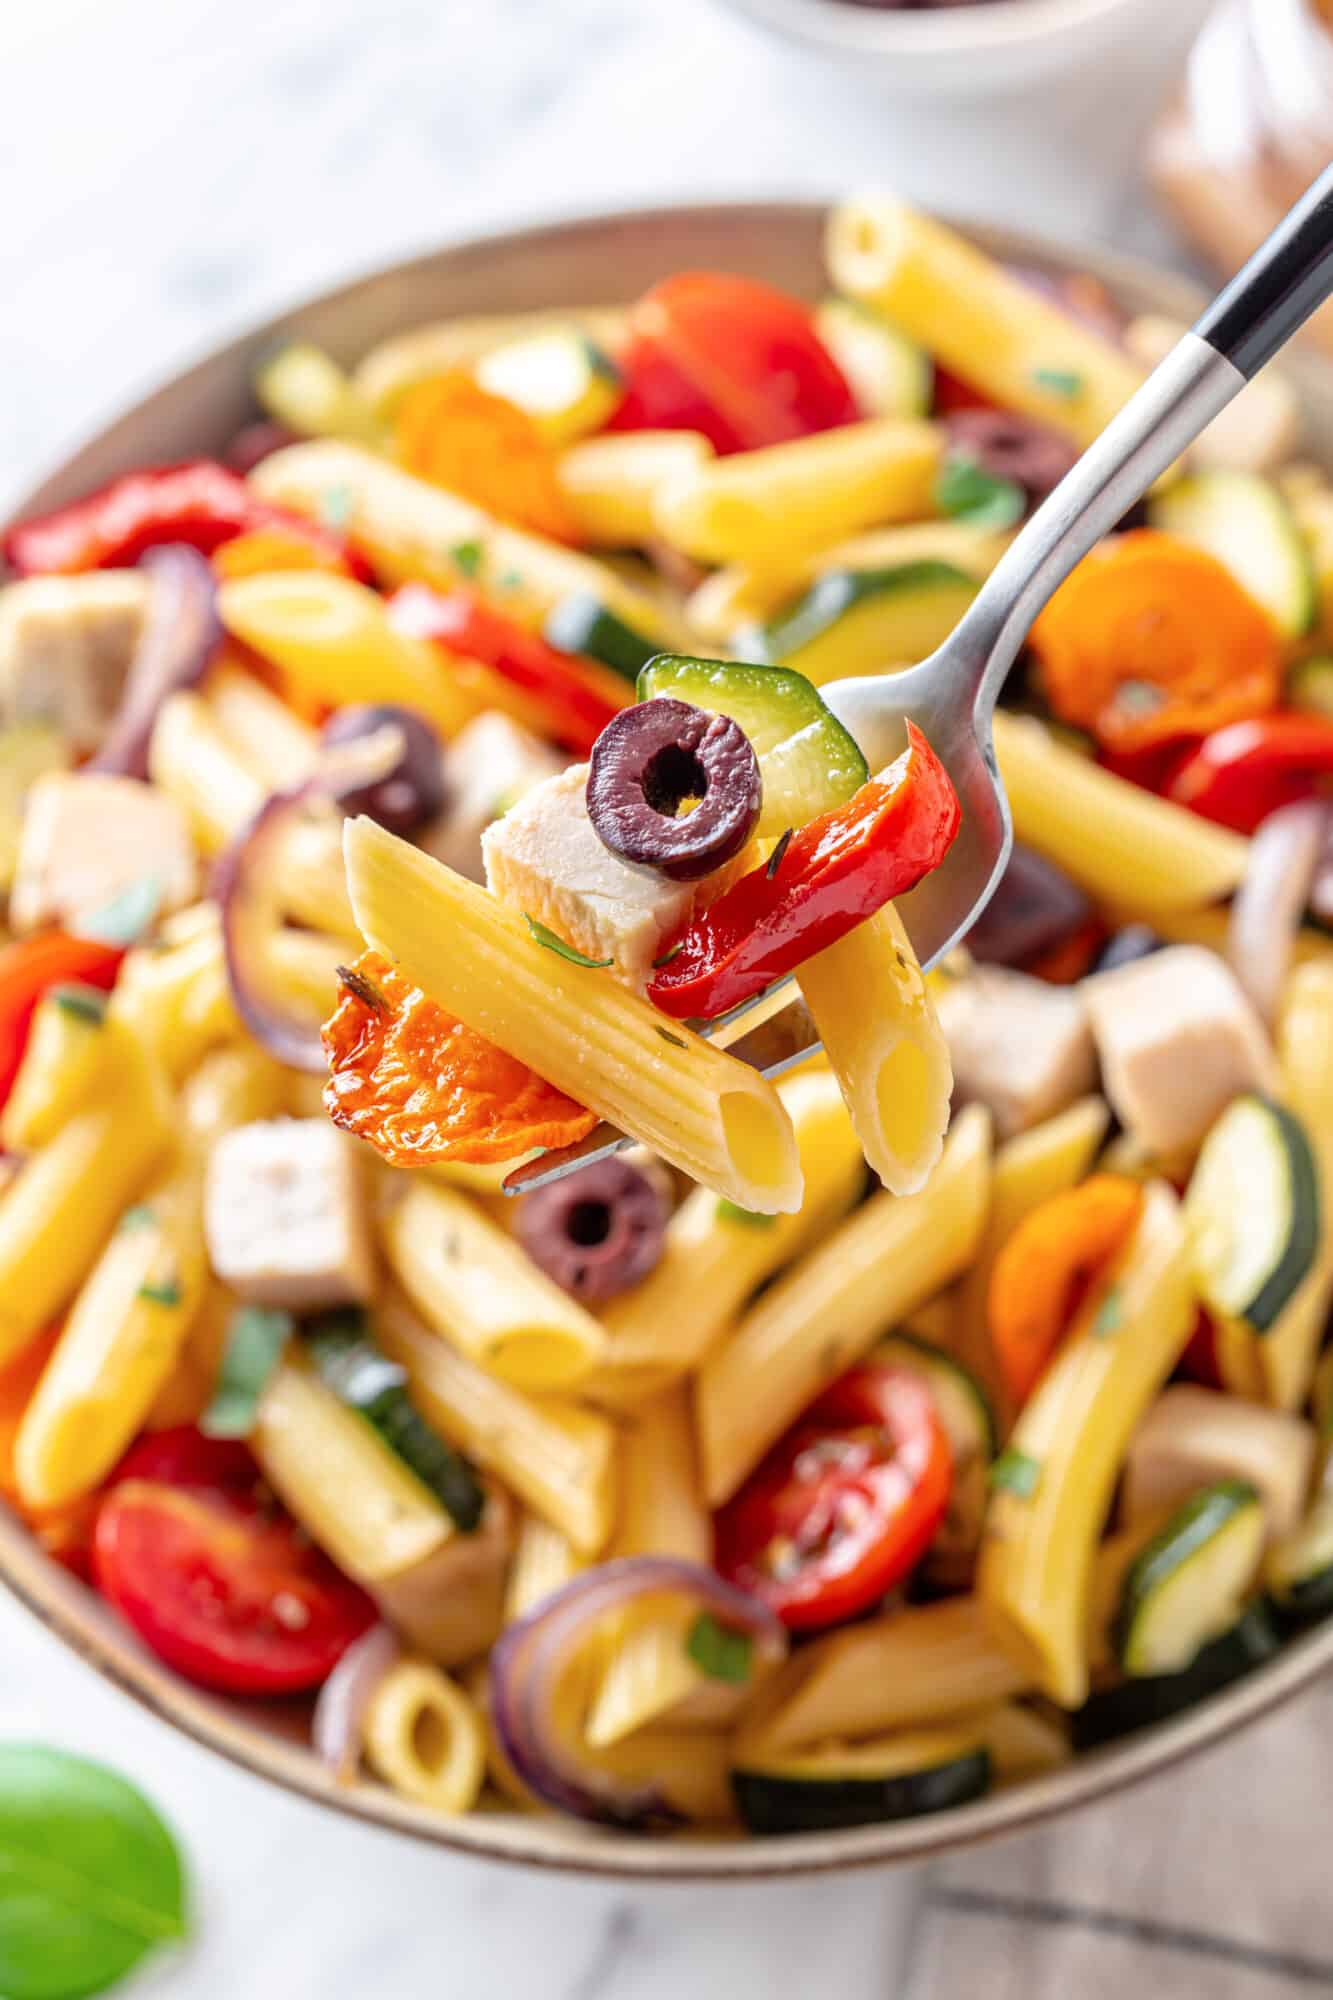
(1266, 914)
(247, 882)
(340, 1707)
(181, 633)
(528, 1660)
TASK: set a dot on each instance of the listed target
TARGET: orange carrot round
(455, 433)
(1151, 639)
(421, 1087)
(1045, 1269)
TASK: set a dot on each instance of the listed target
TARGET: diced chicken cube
(492, 764)
(87, 837)
(1193, 1436)
(1178, 1040)
(1020, 1046)
(285, 1215)
(66, 643)
(545, 857)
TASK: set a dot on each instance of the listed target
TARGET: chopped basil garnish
(966, 492)
(162, 1291)
(467, 556)
(85, 1003)
(676, 1041)
(1066, 382)
(336, 507)
(366, 991)
(728, 1211)
(141, 1216)
(127, 916)
(775, 858)
(719, 1651)
(1014, 1472)
(548, 938)
(1109, 1313)
(256, 1337)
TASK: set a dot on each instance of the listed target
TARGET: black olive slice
(597, 1231)
(674, 788)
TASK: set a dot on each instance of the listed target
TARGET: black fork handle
(1275, 293)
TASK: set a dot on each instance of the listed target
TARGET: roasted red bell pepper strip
(28, 968)
(1241, 774)
(578, 695)
(834, 873)
(198, 501)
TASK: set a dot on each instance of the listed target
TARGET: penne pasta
(1067, 1448)
(423, 1736)
(701, 1109)
(473, 1283)
(561, 1460)
(764, 506)
(873, 1014)
(384, 375)
(612, 482)
(69, 1059)
(274, 743)
(888, 1258)
(544, 1560)
(194, 762)
(1000, 334)
(1121, 843)
(233, 1086)
(175, 997)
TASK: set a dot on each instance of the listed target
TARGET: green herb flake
(256, 1337)
(966, 492)
(1139, 697)
(775, 858)
(1065, 382)
(729, 1211)
(467, 557)
(84, 1003)
(141, 1216)
(126, 918)
(548, 939)
(91, 1877)
(365, 990)
(676, 1041)
(1014, 1472)
(162, 1291)
(336, 508)
(1109, 1314)
(719, 1651)
(667, 956)
(511, 580)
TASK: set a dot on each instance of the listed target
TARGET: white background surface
(170, 169)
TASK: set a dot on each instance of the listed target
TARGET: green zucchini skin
(581, 624)
(1307, 1601)
(770, 1803)
(1296, 1233)
(1265, 1307)
(1136, 1704)
(1206, 1514)
(837, 592)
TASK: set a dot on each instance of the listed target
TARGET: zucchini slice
(807, 760)
(1299, 1570)
(860, 1784)
(1186, 1586)
(301, 386)
(889, 374)
(864, 621)
(1135, 1704)
(1252, 1211)
(1310, 686)
(582, 624)
(564, 381)
(1243, 520)
(969, 1423)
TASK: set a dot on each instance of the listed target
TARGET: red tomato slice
(844, 1505)
(219, 1582)
(31, 965)
(732, 358)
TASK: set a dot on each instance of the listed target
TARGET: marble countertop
(172, 169)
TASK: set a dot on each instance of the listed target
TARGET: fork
(951, 696)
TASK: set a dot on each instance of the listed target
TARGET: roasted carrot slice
(421, 1087)
(1151, 639)
(1044, 1271)
(452, 431)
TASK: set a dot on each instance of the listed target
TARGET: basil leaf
(256, 1337)
(467, 557)
(162, 1291)
(719, 1651)
(727, 1211)
(1066, 382)
(547, 937)
(90, 1877)
(126, 918)
(967, 492)
(85, 1003)
(141, 1216)
(1109, 1313)
(1014, 1472)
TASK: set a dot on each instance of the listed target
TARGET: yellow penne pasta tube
(762, 506)
(1059, 1470)
(196, 763)
(303, 966)
(410, 528)
(662, 1511)
(868, 998)
(888, 1258)
(422, 1735)
(701, 1109)
(174, 997)
(1021, 1742)
(1121, 843)
(313, 884)
(914, 1665)
(66, 1061)
(334, 638)
(58, 1213)
(559, 1459)
(1029, 1169)
(188, 1389)
(384, 375)
(714, 1258)
(117, 1348)
(474, 1284)
(998, 333)
(353, 1495)
(275, 744)
(611, 483)
(544, 1560)
(232, 1086)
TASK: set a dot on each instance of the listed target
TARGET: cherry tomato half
(844, 1505)
(31, 965)
(220, 1582)
(732, 358)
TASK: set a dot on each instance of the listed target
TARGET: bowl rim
(843, 28)
(73, 1612)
